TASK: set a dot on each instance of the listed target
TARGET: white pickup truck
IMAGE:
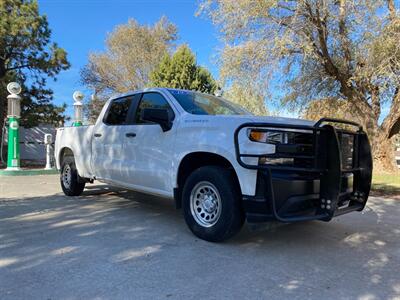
(219, 163)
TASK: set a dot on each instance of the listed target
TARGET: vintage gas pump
(13, 115)
(48, 140)
(78, 108)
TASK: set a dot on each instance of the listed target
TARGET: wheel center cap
(209, 204)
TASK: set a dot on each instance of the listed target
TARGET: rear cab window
(120, 110)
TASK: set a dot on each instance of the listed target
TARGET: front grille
(305, 140)
(346, 142)
(297, 151)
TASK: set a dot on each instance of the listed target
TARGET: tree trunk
(3, 101)
(3, 95)
(383, 152)
(379, 137)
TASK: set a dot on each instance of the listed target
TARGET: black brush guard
(320, 191)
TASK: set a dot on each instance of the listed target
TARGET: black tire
(75, 185)
(231, 217)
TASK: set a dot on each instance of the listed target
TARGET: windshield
(204, 104)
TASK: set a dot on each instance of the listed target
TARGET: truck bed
(80, 140)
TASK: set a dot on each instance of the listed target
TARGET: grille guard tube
(327, 166)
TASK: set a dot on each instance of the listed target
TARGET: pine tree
(181, 71)
(28, 57)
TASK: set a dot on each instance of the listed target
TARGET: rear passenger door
(108, 157)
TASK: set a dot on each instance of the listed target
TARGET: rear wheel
(71, 183)
(211, 204)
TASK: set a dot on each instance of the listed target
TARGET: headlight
(270, 136)
(292, 148)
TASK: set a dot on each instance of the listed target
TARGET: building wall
(32, 147)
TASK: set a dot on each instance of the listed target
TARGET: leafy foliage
(247, 97)
(339, 109)
(181, 71)
(132, 53)
(318, 49)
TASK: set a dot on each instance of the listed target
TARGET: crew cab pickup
(220, 164)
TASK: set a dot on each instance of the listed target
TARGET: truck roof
(149, 89)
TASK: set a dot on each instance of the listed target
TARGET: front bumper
(325, 188)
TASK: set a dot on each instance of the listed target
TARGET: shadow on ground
(112, 243)
(386, 190)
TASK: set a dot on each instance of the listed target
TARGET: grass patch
(386, 183)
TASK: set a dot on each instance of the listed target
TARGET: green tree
(28, 57)
(345, 49)
(181, 71)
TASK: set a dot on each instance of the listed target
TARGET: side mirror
(160, 116)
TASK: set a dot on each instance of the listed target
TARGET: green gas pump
(13, 115)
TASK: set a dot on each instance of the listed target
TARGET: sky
(81, 26)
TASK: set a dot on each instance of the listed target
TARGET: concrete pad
(27, 172)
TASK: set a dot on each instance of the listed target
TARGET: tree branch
(391, 124)
(375, 101)
(392, 9)
(18, 67)
(328, 64)
(2, 70)
(358, 100)
(343, 34)
(285, 7)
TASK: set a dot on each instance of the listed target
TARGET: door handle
(97, 135)
(130, 134)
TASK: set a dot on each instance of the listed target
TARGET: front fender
(247, 178)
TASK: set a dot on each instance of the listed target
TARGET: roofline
(154, 89)
(130, 93)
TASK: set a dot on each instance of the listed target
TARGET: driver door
(149, 151)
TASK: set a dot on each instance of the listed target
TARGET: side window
(118, 111)
(151, 100)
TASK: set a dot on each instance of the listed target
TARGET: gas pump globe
(14, 101)
(78, 108)
(13, 115)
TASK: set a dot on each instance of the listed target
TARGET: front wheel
(211, 204)
(71, 183)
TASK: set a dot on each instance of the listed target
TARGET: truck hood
(278, 120)
(205, 120)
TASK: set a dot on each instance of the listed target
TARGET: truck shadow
(139, 241)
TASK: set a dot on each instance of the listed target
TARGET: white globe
(14, 88)
(78, 96)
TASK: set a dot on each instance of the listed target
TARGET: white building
(32, 147)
